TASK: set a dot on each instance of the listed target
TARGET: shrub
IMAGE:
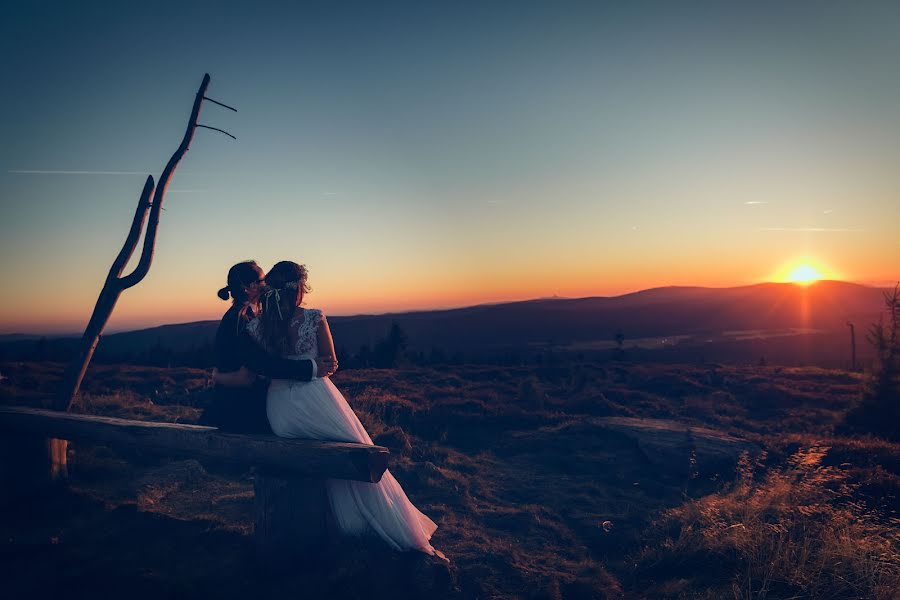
(878, 411)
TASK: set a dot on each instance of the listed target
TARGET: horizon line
(75, 333)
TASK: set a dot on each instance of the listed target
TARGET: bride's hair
(285, 287)
(240, 276)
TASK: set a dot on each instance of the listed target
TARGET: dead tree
(149, 203)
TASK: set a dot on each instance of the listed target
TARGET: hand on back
(243, 377)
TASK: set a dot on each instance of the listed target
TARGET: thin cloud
(50, 172)
(827, 212)
(756, 202)
(813, 229)
(113, 173)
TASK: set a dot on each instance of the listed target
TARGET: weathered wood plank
(305, 458)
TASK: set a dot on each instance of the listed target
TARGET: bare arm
(326, 347)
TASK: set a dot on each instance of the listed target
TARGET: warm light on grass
(804, 530)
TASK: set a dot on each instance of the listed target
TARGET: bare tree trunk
(115, 284)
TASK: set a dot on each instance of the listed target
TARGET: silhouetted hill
(17, 337)
(749, 321)
(668, 311)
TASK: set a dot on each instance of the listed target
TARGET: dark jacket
(243, 410)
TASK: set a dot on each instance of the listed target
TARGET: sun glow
(802, 273)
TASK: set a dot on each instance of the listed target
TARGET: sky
(421, 155)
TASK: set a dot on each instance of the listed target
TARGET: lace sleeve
(259, 361)
(307, 332)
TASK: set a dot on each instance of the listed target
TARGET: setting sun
(804, 274)
(803, 271)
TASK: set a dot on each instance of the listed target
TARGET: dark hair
(285, 285)
(239, 277)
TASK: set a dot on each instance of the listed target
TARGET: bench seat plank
(290, 457)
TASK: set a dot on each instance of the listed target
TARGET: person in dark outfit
(243, 368)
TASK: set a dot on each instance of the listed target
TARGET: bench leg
(30, 466)
(57, 451)
(291, 522)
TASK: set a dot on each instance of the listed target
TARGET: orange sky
(180, 297)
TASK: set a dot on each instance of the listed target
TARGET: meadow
(537, 494)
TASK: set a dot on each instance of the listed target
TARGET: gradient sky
(436, 154)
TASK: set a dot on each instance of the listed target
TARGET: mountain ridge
(648, 292)
(656, 318)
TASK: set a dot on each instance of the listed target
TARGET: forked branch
(150, 203)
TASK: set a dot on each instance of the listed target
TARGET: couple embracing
(273, 362)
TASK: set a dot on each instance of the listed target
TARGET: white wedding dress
(317, 410)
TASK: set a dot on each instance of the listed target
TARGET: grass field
(533, 496)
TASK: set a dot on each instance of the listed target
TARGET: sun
(803, 271)
(804, 274)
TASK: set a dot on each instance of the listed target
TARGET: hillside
(785, 323)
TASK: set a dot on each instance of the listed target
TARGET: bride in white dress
(317, 410)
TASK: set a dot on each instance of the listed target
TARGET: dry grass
(533, 501)
(801, 531)
(130, 405)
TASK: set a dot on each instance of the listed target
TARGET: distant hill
(655, 319)
(666, 311)
(18, 337)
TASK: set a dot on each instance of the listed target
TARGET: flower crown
(273, 291)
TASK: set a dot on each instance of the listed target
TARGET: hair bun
(224, 293)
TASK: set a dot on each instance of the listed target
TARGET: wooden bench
(292, 517)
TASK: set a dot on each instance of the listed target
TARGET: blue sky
(418, 155)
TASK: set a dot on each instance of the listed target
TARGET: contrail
(62, 172)
(43, 172)
(816, 229)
